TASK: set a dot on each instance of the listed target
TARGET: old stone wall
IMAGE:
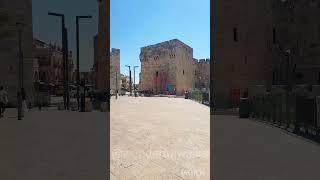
(277, 42)
(242, 48)
(184, 73)
(166, 64)
(115, 69)
(12, 11)
(202, 74)
(298, 29)
(102, 64)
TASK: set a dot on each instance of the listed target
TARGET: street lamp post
(65, 58)
(129, 79)
(78, 71)
(288, 69)
(20, 79)
(134, 80)
(116, 84)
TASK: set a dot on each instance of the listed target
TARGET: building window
(299, 76)
(245, 60)
(274, 36)
(172, 55)
(235, 34)
(183, 72)
(157, 73)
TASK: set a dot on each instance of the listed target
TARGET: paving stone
(156, 134)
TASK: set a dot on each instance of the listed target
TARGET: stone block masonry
(12, 11)
(115, 76)
(166, 65)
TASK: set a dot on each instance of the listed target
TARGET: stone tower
(115, 70)
(166, 66)
(242, 48)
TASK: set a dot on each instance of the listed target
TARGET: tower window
(299, 75)
(235, 34)
(274, 36)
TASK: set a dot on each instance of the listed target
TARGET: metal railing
(292, 111)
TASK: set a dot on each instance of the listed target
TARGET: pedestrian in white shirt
(3, 100)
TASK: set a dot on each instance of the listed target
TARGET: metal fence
(289, 110)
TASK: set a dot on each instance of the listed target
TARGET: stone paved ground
(251, 150)
(52, 145)
(159, 138)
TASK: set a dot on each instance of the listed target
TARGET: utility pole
(66, 54)
(20, 81)
(130, 83)
(65, 58)
(78, 71)
(134, 80)
(83, 97)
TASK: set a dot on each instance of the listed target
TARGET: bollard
(283, 108)
(103, 107)
(264, 108)
(274, 109)
(258, 110)
(269, 108)
(253, 106)
(244, 108)
(318, 117)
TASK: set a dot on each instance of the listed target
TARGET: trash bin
(186, 95)
(244, 108)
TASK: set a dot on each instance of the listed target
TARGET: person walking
(3, 100)
(24, 102)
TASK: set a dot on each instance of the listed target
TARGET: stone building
(125, 83)
(264, 43)
(102, 57)
(242, 48)
(166, 66)
(11, 12)
(296, 42)
(115, 70)
(202, 74)
(49, 65)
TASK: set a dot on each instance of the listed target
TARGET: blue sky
(138, 23)
(134, 24)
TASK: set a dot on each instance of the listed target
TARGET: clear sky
(137, 23)
(134, 24)
(48, 28)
